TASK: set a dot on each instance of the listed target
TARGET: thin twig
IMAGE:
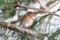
(50, 2)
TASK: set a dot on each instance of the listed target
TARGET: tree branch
(41, 10)
(21, 30)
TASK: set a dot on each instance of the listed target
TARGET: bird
(27, 20)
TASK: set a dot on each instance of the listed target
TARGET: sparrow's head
(30, 14)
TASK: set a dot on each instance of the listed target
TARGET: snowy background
(54, 24)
